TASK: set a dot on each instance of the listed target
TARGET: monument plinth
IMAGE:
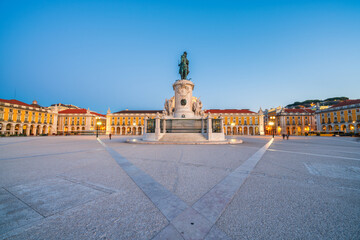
(183, 99)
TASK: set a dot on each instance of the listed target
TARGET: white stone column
(164, 125)
(157, 127)
(145, 125)
(108, 124)
(261, 125)
(209, 127)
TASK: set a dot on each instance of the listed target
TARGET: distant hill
(314, 102)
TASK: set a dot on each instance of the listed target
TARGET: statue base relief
(183, 99)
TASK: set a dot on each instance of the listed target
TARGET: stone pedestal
(183, 99)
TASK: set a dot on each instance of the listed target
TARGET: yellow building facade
(290, 121)
(80, 121)
(341, 118)
(240, 121)
(19, 118)
(128, 122)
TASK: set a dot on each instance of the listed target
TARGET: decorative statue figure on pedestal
(197, 107)
(184, 66)
(169, 106)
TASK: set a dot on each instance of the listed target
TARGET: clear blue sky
(124, 54)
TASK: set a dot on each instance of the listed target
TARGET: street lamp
(98, 123)
(272, 128)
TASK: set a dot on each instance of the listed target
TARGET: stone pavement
(76, 187)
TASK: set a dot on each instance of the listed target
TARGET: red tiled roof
(140, 111)
(347, 102)
(79, 111)
(302, 110)
(13, 101)
(229, 111)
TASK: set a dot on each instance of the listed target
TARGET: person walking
(110, 136)
(287, 136)
(283, 136)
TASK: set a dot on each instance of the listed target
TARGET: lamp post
(272, 126)
(98, 124)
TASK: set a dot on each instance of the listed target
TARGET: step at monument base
(183, 137)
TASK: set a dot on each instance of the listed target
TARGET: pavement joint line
(24, 202)
(90, 185)
(41, 221)
(214, 202)
(314, 154)
(342, 140)
(44, 155)
(29, 140)
(182, 163)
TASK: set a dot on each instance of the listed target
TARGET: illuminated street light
(272, 128)
(98, 123)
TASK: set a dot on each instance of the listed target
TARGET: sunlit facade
(80, 121)
(19, 118)
(240, 121)
(128, 122)
(290, 121)
(343, 117)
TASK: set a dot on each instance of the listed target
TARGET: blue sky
(124, 54)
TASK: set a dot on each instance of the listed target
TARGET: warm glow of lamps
(271, 123)
(98, 123)
(232, 124)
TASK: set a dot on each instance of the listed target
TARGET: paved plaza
(78, 187)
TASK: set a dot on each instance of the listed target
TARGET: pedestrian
(110, 136)
(283, 136)
(287, 136)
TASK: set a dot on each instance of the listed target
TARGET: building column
(209, 127)
(157, 127)
(12, 129)
(145, 124)
(164, 125)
